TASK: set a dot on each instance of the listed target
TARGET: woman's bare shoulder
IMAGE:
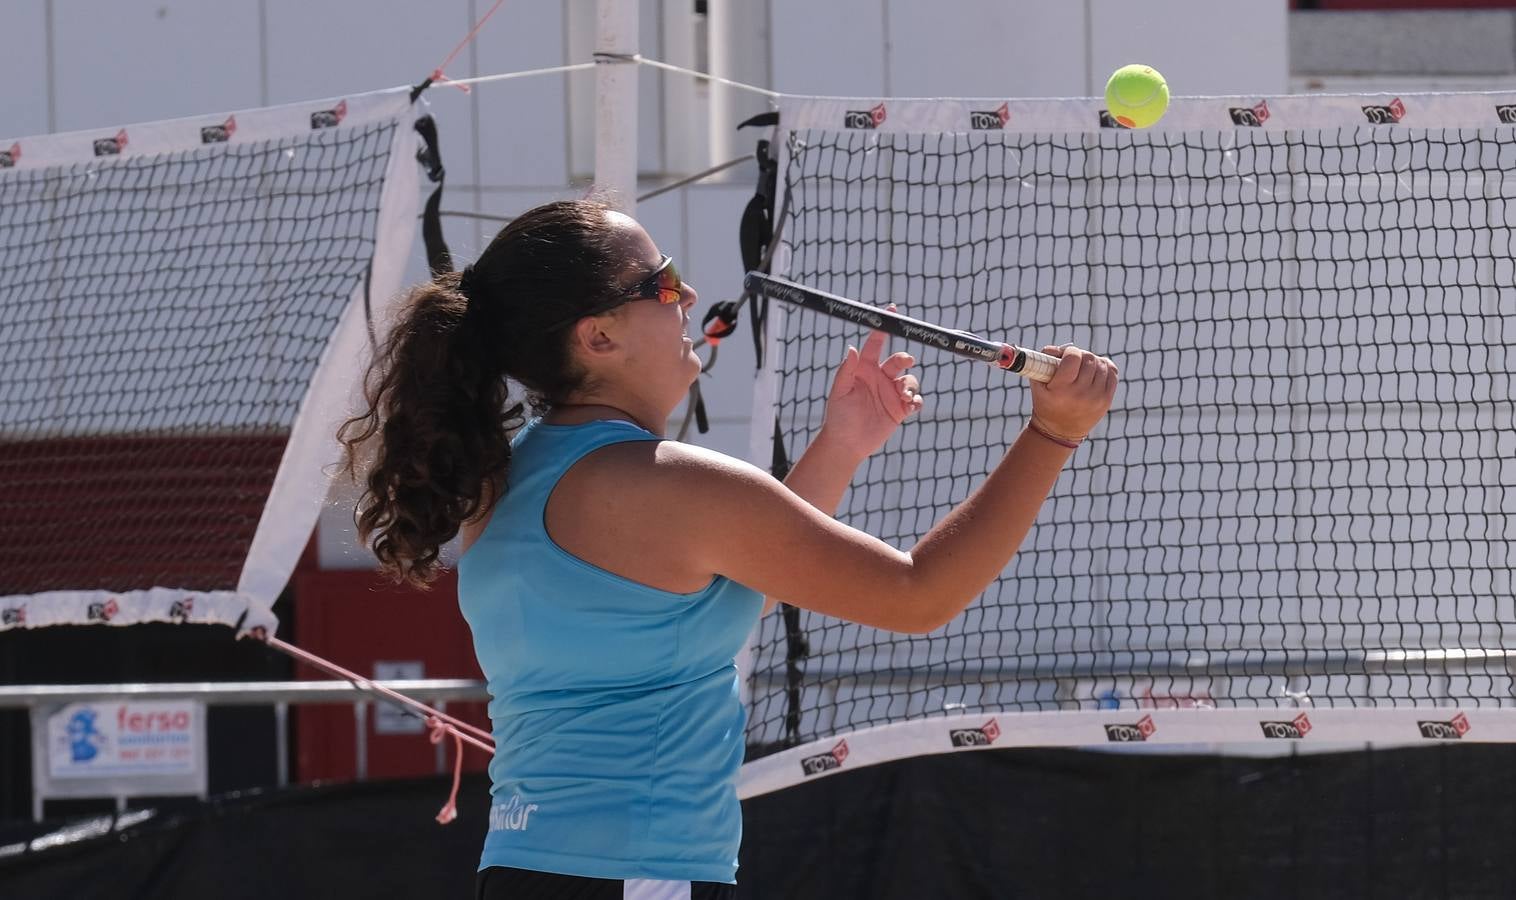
(665, 476)
(669, 461)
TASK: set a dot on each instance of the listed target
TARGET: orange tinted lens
(670, 287)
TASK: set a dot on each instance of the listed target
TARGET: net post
(616, 102)
(738, 50)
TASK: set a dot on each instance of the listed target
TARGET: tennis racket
(1027, 363)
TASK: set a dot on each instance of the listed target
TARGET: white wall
(71, 64)
(994, 48)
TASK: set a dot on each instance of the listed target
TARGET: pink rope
(437, 75)
(439, 724)
(439, 732)
(478, 737)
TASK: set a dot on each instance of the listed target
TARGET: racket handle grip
(1028, 363)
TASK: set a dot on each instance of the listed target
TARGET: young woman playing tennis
(610, 576)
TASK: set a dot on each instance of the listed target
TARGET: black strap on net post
(757, 228)
(755, 232)
(796, 646)
(438, 258)
(755, 235)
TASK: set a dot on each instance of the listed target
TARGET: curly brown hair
(437, 429)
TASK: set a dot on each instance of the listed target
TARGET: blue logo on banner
(83, 736)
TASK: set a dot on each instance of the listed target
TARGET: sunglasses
(663, 284)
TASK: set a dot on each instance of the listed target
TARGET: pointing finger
(872, 347)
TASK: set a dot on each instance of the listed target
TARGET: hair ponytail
(437, 419)
(437, 403)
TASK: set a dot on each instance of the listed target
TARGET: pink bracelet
(1062, 442)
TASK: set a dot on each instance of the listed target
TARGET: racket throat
(1012, 359)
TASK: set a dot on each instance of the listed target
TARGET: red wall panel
(355, 619)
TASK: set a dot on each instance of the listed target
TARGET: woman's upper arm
(748, 526)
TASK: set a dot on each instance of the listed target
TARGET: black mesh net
(163, 316)
(1301, 493)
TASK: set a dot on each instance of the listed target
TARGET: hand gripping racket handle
(1028, 363)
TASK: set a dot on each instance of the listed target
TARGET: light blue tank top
(617, 723)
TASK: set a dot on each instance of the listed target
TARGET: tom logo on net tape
(111, 146)
(329, 118)
(1250, 116)
(1140, 730)
(864, 118)
(983, 736)
(1293, 730)
(219, 134)
(825, 762)
(1452, 730)
(1385, 115)
(102, 612)
(990, 120)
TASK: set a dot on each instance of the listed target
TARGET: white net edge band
(1185, 114)
(158, 604)
(305, 472)
(192, 132)
(1261, 731)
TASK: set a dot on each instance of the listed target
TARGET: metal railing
(280, 694)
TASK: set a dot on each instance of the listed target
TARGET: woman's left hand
(870, 398)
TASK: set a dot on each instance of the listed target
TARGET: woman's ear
(591, 337)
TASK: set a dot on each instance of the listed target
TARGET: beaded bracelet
(1060, 441)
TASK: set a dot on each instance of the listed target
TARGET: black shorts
(500, 883)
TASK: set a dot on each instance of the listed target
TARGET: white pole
(616, 103)
(682, 123)
(720, 44)
(739, 45)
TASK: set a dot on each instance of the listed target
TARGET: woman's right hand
(1076, 398)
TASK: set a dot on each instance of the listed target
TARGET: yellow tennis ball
(1136, 96)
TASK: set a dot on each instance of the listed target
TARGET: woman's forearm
(971, 545)
(822, 474)
(820, 477)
